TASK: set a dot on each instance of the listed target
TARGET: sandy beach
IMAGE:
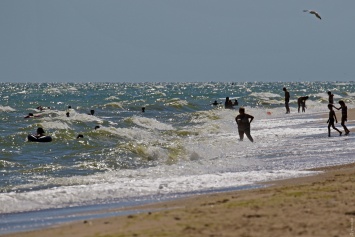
(318, 205)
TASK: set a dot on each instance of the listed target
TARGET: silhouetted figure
(330, 97)
(97, 127)
(68, 114)
(332, 118)
(80, 136)
(215, 103)
(243, 123)
(143, 109)
(344, 115)
(92, 112)
(287, 100)
(40, 132)
(302, 103)
(228, 104)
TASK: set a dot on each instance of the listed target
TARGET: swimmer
(30, 115)
(40, 132)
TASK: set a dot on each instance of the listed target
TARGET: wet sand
(319, 205)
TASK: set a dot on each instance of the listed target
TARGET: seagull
(314, 13)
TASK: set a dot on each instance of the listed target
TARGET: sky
(176, 41)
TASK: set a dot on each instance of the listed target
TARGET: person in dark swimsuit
(287, 100)
(243, 123)
(344, 115)
(302, 103)
(332, 118)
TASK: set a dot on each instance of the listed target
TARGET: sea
(180, 145)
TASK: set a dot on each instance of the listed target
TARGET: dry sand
(320, 205)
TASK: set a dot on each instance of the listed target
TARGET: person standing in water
(344, 115)
(243, 123)
(302, 103)
(332, 118)
(287, 100)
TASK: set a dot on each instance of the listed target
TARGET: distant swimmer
(215, 103)
(243, 121)
(39, 136)
(97, 127)
(41, 108)
(40, 132)
(332, 118)
(301, 101)
(92, 112)
(80, 136)
(228, 104)
(314, 13)
(31, 115)
(143, 109)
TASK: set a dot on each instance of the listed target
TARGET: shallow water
(180, 144)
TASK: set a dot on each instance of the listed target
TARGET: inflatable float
(33, 138)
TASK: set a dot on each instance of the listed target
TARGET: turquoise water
(181, 143)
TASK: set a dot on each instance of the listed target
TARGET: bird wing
(317, 15)
(314, 13)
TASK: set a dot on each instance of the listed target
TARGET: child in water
(332, 118)
(344, 115)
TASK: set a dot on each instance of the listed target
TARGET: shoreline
(316, 205)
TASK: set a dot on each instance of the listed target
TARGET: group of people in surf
(243, 119)
(301, 101)
(40, 131)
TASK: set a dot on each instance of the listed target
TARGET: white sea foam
(6, 109)
(264, 95)
(151, 123)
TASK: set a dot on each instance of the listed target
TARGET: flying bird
(314, 13)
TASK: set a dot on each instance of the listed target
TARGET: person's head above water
(40, 130)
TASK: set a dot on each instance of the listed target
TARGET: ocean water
(180, 144)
